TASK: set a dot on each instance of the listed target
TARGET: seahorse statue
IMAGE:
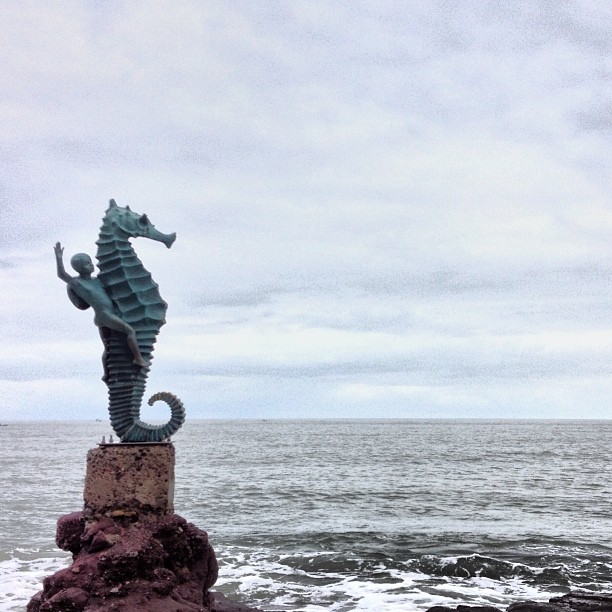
(137, 302)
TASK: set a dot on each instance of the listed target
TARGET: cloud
(396, 210)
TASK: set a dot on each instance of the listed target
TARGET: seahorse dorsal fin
(112, 204)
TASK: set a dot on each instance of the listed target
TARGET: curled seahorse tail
(141, 431)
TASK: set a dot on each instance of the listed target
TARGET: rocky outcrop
(126, 562)
(575, 601)
(131, 553)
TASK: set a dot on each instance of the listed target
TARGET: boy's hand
(59, 250)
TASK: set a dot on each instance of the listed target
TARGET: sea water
(377, 515)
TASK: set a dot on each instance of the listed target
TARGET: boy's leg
(133, 345)
(104, 335)
(114, 322)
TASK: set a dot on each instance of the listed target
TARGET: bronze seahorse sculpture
(129, 312)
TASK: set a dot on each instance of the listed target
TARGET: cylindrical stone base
(130, 479)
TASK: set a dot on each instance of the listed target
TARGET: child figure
(85, 291)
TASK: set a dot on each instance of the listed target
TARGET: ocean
(340, 515)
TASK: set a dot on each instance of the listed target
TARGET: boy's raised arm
(59, 260)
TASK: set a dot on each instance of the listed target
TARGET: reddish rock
(133, 563)
(69, 531)
(72, 599)
(575, 601)
(130, 552)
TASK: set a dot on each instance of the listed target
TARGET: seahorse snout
(169, 239)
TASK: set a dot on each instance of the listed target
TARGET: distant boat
(3, 424)
(98, 420)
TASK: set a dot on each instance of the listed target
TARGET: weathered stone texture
(131, 553)
(126, 478)
(130, 563)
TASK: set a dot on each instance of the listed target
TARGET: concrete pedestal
(130, 552)
(130, 479)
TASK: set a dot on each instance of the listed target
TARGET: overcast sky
(383, 208)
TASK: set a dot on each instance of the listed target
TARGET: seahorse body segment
(138, 302)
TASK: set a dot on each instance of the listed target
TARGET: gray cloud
(398, 210)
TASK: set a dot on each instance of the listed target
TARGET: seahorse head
(129, 224)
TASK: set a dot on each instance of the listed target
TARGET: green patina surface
(129, 312)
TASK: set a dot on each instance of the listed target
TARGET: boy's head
(81, 263)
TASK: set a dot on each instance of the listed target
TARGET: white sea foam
(20, 580)
(263, 578)
(259, 579)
